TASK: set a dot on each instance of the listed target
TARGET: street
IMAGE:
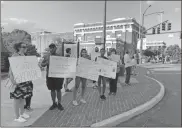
(166, 113)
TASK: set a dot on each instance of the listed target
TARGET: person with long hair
(20, 91)
(53, 84)
(82, 80)
(113, 82)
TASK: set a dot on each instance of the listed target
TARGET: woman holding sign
(113, 82)
(21, 91)
(82, 80)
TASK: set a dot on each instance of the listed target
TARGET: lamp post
(104, 24)
(141, 40)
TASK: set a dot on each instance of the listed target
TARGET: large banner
(87, 69)
(25, 68)
(62, 67)
(107, 68)
(73, 49)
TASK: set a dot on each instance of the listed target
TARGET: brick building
(117, 32)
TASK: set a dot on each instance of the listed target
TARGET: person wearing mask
(94, 82)
(113, 82)
(102, 78)
(53, 84)
(82, 80)
(20, 91)
(67, 80)
(128, 65)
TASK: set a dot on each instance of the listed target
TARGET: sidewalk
(85, 115)
(127, 98)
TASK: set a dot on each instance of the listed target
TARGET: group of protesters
(24, 91)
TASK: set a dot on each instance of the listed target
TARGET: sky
(60, 16)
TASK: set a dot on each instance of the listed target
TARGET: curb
(115, 120)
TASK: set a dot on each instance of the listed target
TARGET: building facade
(43, 39)
(155, 45)
(124, 29)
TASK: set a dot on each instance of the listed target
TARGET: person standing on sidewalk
(102, 78)
(78, 80)
(19, 92)
(113, 82)
(128, 65)
(67, 80)
(53, 84)
(94, 82)
(134, 63)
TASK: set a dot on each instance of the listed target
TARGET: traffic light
(153, 30)
(158, 30)
(169, 26)
(163, 26)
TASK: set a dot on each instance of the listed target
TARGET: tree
(9, 39)
(31, 50)
(148, 52)
(174, 51)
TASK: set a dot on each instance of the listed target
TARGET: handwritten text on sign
(107, 68)
(25, 68)
(62, 67)
(87, 69)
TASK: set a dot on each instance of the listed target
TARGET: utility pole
(142, 34)
(104, 24)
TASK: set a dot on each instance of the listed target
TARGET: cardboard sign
(25, 68)
(107, 68)
(87, 69)
(62, 67)
(115, 58)
(94, 55)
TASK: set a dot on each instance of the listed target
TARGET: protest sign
(25, 68)
(87, 69)
(94, 55)
(107, 68)
(115, 58)
(62, 67)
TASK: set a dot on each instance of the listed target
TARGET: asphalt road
(167, 113)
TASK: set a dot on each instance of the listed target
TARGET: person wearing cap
(53, 84)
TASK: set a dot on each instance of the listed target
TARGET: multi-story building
(43, 39)
(124, 29)
(155, 45)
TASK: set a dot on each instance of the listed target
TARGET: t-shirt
(67, 55)
(127, 60)
(101, 57)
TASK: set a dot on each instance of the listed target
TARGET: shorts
(54, 83)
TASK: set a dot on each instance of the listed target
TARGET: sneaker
(104, 97)
(26, 116)
(60, 107)
(110, 93)
(28, 109)
(20, 119)
(95, 87)
(68, 90)
(75, 103)
(53, 106)
(83, 101)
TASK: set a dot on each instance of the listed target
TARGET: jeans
(113, 84)
(128, 74)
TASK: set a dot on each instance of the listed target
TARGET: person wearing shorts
(102, 78)
(53, 84)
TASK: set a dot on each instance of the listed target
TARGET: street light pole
(104, 24)
(141, 40)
